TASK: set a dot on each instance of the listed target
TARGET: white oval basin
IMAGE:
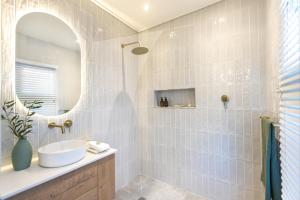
(62, 153)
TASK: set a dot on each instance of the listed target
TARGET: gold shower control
(68, 123)
(225, 100)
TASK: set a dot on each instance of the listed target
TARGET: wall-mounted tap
(54, 125)
(68, 123)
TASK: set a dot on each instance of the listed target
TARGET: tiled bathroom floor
(152, 189)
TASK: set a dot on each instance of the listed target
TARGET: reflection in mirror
(47, 63)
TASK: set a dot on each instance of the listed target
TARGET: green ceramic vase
(21, 154)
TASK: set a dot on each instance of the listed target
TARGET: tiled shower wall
(210, 150)
(272, 57)
(107, 110)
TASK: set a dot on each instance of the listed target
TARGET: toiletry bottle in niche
(166, 103)
(161, 103)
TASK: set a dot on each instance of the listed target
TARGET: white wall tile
(218, 50)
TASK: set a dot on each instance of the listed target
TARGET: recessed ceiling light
(172, 34)
(146, 7)
(222, 19)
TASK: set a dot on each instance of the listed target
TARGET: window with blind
(290, 99)
(37, 82)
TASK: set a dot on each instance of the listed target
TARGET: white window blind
(34, 82)
(290, 99)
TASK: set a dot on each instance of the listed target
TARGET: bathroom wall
(272, 57)
(107, 110)
(212, 151)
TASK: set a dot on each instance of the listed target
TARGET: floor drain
(142, 198)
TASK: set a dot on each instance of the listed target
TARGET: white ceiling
(132, 12)
(49, 29)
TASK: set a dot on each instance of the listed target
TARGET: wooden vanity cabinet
(95, 181)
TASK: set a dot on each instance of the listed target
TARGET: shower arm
(131, 43)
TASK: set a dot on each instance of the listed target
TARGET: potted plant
(20, 127)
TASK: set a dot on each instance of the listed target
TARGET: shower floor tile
(152, 189)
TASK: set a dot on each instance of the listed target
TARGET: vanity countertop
(14, 182)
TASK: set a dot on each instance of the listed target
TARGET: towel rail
(277, 126)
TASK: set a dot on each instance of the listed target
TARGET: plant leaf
(14, 117)
(30, 114)
(9, 102)
(18, 124)
(10, 105)
(18, 130)
(27, 132)
(29, 126)
(21, 131)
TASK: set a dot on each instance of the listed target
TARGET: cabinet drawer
(66, 187)
(90, 195)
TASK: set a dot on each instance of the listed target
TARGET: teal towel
(271, 175)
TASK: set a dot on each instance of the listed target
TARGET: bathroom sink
(62, 153)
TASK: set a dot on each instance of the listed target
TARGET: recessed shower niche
(177, 98)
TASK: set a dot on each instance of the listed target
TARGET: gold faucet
(54, 125)
(68, 123)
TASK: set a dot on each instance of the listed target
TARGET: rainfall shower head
(138, 50)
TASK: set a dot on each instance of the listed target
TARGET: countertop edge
(64, 170)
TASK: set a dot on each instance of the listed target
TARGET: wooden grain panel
(90, 195)
(106, 178)
(105, 193)
(67, 187)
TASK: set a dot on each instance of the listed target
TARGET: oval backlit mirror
(48, 63)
